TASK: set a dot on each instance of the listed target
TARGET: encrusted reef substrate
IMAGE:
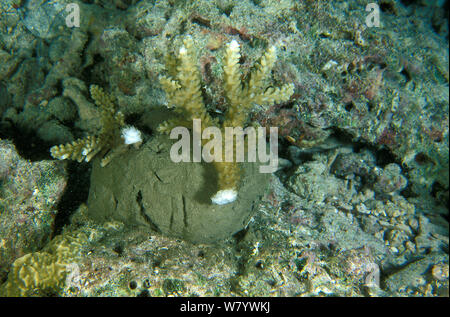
(330, 226)
(29, 193)
(144, 187)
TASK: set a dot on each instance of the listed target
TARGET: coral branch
(184, 93)
(113, 134)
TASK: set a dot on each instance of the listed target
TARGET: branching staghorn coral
(112, 131)
(184, 94)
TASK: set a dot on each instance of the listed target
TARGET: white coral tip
(131, 135)
(224, 196)
(233, 45)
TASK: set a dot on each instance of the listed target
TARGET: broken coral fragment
(113, 137)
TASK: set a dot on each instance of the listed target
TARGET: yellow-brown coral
(112, 122)
(43, 273)
(184, 93)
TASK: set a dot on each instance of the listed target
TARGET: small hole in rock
(133, 285)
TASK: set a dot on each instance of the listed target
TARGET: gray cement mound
(145, 188)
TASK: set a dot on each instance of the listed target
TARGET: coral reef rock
(29, 193)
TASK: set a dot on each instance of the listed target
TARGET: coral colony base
(145, 188)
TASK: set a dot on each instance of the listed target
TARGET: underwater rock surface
(144, 187)
(29, 193)
(43, 18)
(359, 209)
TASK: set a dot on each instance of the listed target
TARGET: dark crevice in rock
(76, 193)
(144, 215)
(27, 143)
(184, 212)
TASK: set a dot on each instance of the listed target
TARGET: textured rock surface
(338, 223)
(29, 192)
